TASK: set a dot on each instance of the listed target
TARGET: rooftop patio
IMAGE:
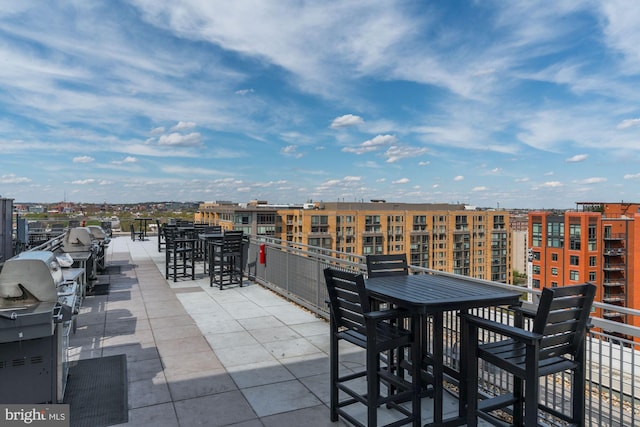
(245, 356)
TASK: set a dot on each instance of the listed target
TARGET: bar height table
(142, 223)
(429, 294)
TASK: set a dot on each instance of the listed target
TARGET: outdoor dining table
(142, 224)
(433, 295)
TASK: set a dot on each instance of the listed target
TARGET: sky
(509, 104)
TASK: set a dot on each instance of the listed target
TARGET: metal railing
(613, 352)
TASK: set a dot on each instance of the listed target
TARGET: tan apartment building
(443, 237)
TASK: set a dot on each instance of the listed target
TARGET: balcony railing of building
(613, 348)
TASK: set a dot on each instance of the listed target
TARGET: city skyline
(509, 104)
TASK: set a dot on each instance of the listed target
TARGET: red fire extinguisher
(263, 254)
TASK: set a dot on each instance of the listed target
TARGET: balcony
(614, 266)
(259, 354)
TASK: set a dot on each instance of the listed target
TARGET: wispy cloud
(83, 159)
(577, 158)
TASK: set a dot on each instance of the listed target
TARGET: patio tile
(189, 363)
(263, 322)
(177, 346)
(220, 409)
(134, 352)
(319, 327)
(260, 373)
(171, 321)
(308, 364)
(290, 348)
(197, 384)
(315, 416)
(172, 333)
(244, 310)
(230, 339)
(273, 334)
(242, 355)
(144, 370)
(162, 415)
(148, 392)
(279, 397)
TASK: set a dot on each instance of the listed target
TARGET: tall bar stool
(353, 320)
(226, 259)
(180, 255)
(555, 344)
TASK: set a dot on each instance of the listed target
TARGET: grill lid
(31, 276)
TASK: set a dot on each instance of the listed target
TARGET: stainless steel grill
(37, 313)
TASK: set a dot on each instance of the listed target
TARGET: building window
(536, 283)
(555, 234)
(593, 261)
(536, 269)
(574, 236)
(592, 237)
(536, 234)
(554, 257)
(592, 276)
(554, 284)
(574, 260)
(554, 271)
(536, 256)
(574, 275)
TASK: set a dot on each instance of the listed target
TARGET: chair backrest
(562, 317)
(232, 241)
(387, 265)
(348, 299)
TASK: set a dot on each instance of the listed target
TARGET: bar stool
(226, 259)
(180, 255)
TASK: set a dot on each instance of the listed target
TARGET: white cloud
(176, 139)
(495, 170)
(83, 159)
(435, 186)
(551, 184)
(83, 181)
(291, 151)
(632, 176)
(550, 173)
(577, 158)
(13, 179)
(372, 144)
(243, 91)
(458, 178)
(522, 179)
(395, 153)
(347, 120)
(157, 131)
(129, 159)
(183, 126)
(479, 188)
(594, 180)
(627, 123)
(424, 163)
(401, 181)
(105, 182)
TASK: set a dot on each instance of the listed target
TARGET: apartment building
(444, 237)
(596, 243)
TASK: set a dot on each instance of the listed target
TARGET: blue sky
(516, 104)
